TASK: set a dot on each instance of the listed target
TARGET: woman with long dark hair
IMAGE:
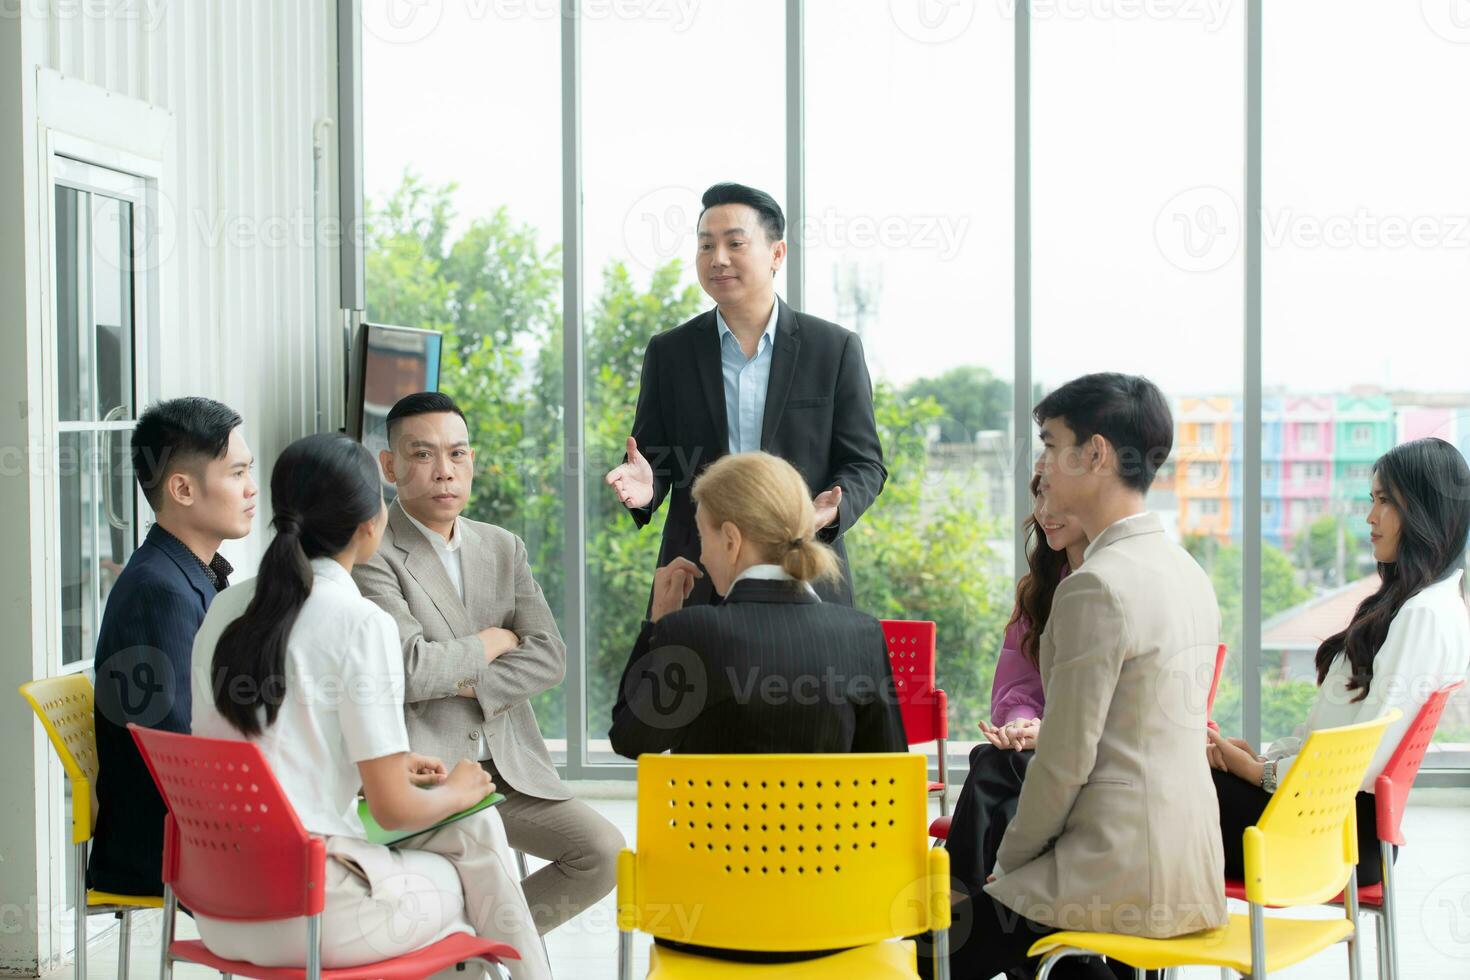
(1410, 637)
(297, 661)
(987, 803)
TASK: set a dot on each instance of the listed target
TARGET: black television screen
(391, 362)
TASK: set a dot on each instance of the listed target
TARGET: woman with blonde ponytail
(772, 668)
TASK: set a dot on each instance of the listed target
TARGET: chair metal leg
(1258, 942)
(944, 778)
(1354, 947)
(124, 942)
(625, 955)
(521, 865)
(79, 937)
(1390, 912)
(941, 954)
(1050, 960)
(166, 933)
(314, 947)
(1381, 925)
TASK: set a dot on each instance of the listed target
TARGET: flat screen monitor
(390, 362)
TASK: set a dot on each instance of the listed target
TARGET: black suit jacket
(818, 417)
(771, 669)
(143, 653)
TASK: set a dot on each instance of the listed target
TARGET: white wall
(247, 300)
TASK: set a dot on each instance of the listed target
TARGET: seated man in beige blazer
(478, 643)
(1113, 831)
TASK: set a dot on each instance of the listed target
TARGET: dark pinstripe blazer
(143, 654)
(772, 669)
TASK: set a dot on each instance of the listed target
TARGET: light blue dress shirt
(746, 382)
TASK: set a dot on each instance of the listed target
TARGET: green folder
(377, 835)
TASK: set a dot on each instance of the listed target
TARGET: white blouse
(344, 696)
(1427, 647)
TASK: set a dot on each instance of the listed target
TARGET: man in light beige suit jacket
(1115, 828)
(479, 642)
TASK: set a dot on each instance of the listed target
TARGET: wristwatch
(1268, 776)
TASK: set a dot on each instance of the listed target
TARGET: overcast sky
(1138, 167)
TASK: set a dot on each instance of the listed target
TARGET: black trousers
(1241, 806)
(985, 807)
(988, 938)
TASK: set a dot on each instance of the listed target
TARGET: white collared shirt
(448, 551)
(1092, 545)
(344, 696)
(747, 382)
(770, 573)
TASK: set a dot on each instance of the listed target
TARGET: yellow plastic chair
(783, 853)
(1303, 851)
(64, 705)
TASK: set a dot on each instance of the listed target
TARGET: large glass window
(1138, 163)
(909, 242)
(1367, 228)
(670, 107)
(95, 284)
(1136, 248)
(462, 145)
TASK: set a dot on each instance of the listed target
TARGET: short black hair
(771, 218)
(1129, 411)
(420, 403)
(171, 434)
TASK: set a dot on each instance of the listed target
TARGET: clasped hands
(1018, 735)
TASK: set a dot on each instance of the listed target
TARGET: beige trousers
(383, 902)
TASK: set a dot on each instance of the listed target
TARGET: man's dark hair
(419, 403)
(176, 433)
(1128, 411)
(771, 218)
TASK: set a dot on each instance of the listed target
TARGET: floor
(1434, 885)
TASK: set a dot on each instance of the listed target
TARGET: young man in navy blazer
(751, 375)
(195, 470)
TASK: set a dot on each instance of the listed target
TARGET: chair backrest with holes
(911, 653)
(785, 852)
(64, 705)
(1391, 790)
(233, 847)
(1304, 846)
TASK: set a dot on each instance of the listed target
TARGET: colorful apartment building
(1317, 454)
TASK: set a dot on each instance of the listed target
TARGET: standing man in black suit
(751, 374)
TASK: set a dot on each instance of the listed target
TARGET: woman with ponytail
(772, 668)
(1407, 639)
(297, 661)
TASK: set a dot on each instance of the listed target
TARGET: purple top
(1016, 692)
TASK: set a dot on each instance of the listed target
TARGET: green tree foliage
(970, 399)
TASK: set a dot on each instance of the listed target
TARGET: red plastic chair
(939, 828)
(1390, 793)
(925, 708)
(233, 848)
